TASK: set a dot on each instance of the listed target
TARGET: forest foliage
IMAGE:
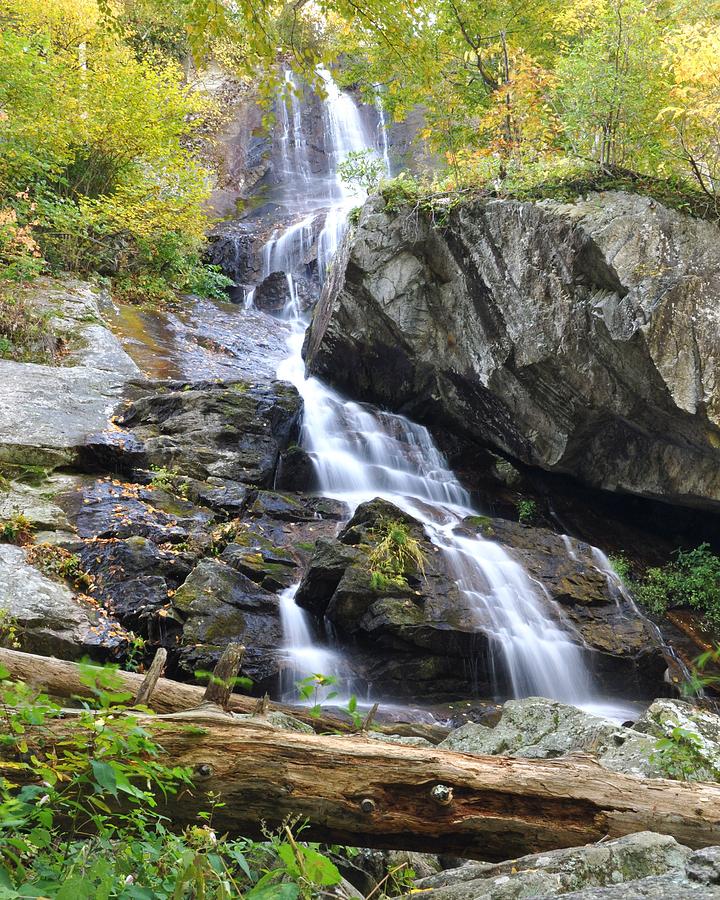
(524, 90)
(95, 170)
(97, 113)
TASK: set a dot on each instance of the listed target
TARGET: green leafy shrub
(527, 511)
(10, 631)
(404, 188)
(622, 567)
(363, 168)
(396, 555)
(17, 529)
(165, 480)
(318, 689)
(680, 756)
(691, 579)
(87, 824)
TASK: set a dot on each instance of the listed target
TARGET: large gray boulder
(619, 864)
(582, 338)
(537, 728)
(48, 618)
(47, 412)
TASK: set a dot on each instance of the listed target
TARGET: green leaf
(104, 776)
(77, 888)
(287, 855)
(318, 868)
(284, 891)
(41, 837)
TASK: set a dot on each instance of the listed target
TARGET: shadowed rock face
(582, 338)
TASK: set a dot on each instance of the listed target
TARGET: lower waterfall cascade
(360, 453)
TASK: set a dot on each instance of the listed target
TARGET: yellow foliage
(694, 109)
(67, 23)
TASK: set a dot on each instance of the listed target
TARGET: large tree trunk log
(61, 679)
(363, 792)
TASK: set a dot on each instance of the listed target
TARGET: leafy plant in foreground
(86, 824)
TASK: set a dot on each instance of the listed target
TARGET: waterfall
(344, 134)
(361, 453)
(382, 131)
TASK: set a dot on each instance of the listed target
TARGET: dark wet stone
(270, 568)
(230, 431)
(112, 451)
(220, 605)
(296, 471)
(272, 293)
(109, 509)
(133, 579)
(230, 497)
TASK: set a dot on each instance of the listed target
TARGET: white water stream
(361, 453)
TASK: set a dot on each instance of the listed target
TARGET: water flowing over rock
(431, 635)
(582, 338)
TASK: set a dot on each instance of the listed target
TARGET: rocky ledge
(425, 638)
(581, 338)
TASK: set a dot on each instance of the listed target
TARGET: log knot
(442, 794)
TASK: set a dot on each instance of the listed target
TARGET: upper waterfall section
(295, 218)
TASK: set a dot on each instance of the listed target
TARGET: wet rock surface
(233, 431)
(429, 629)
(218, 605)
(568, 336)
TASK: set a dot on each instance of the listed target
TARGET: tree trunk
(362, 792)
(61, 679)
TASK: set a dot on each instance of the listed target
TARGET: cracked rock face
(639, 865)
(582, 338)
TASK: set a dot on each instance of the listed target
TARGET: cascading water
(361, 453)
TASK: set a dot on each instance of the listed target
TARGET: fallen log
(362, 792)
(61, 678)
